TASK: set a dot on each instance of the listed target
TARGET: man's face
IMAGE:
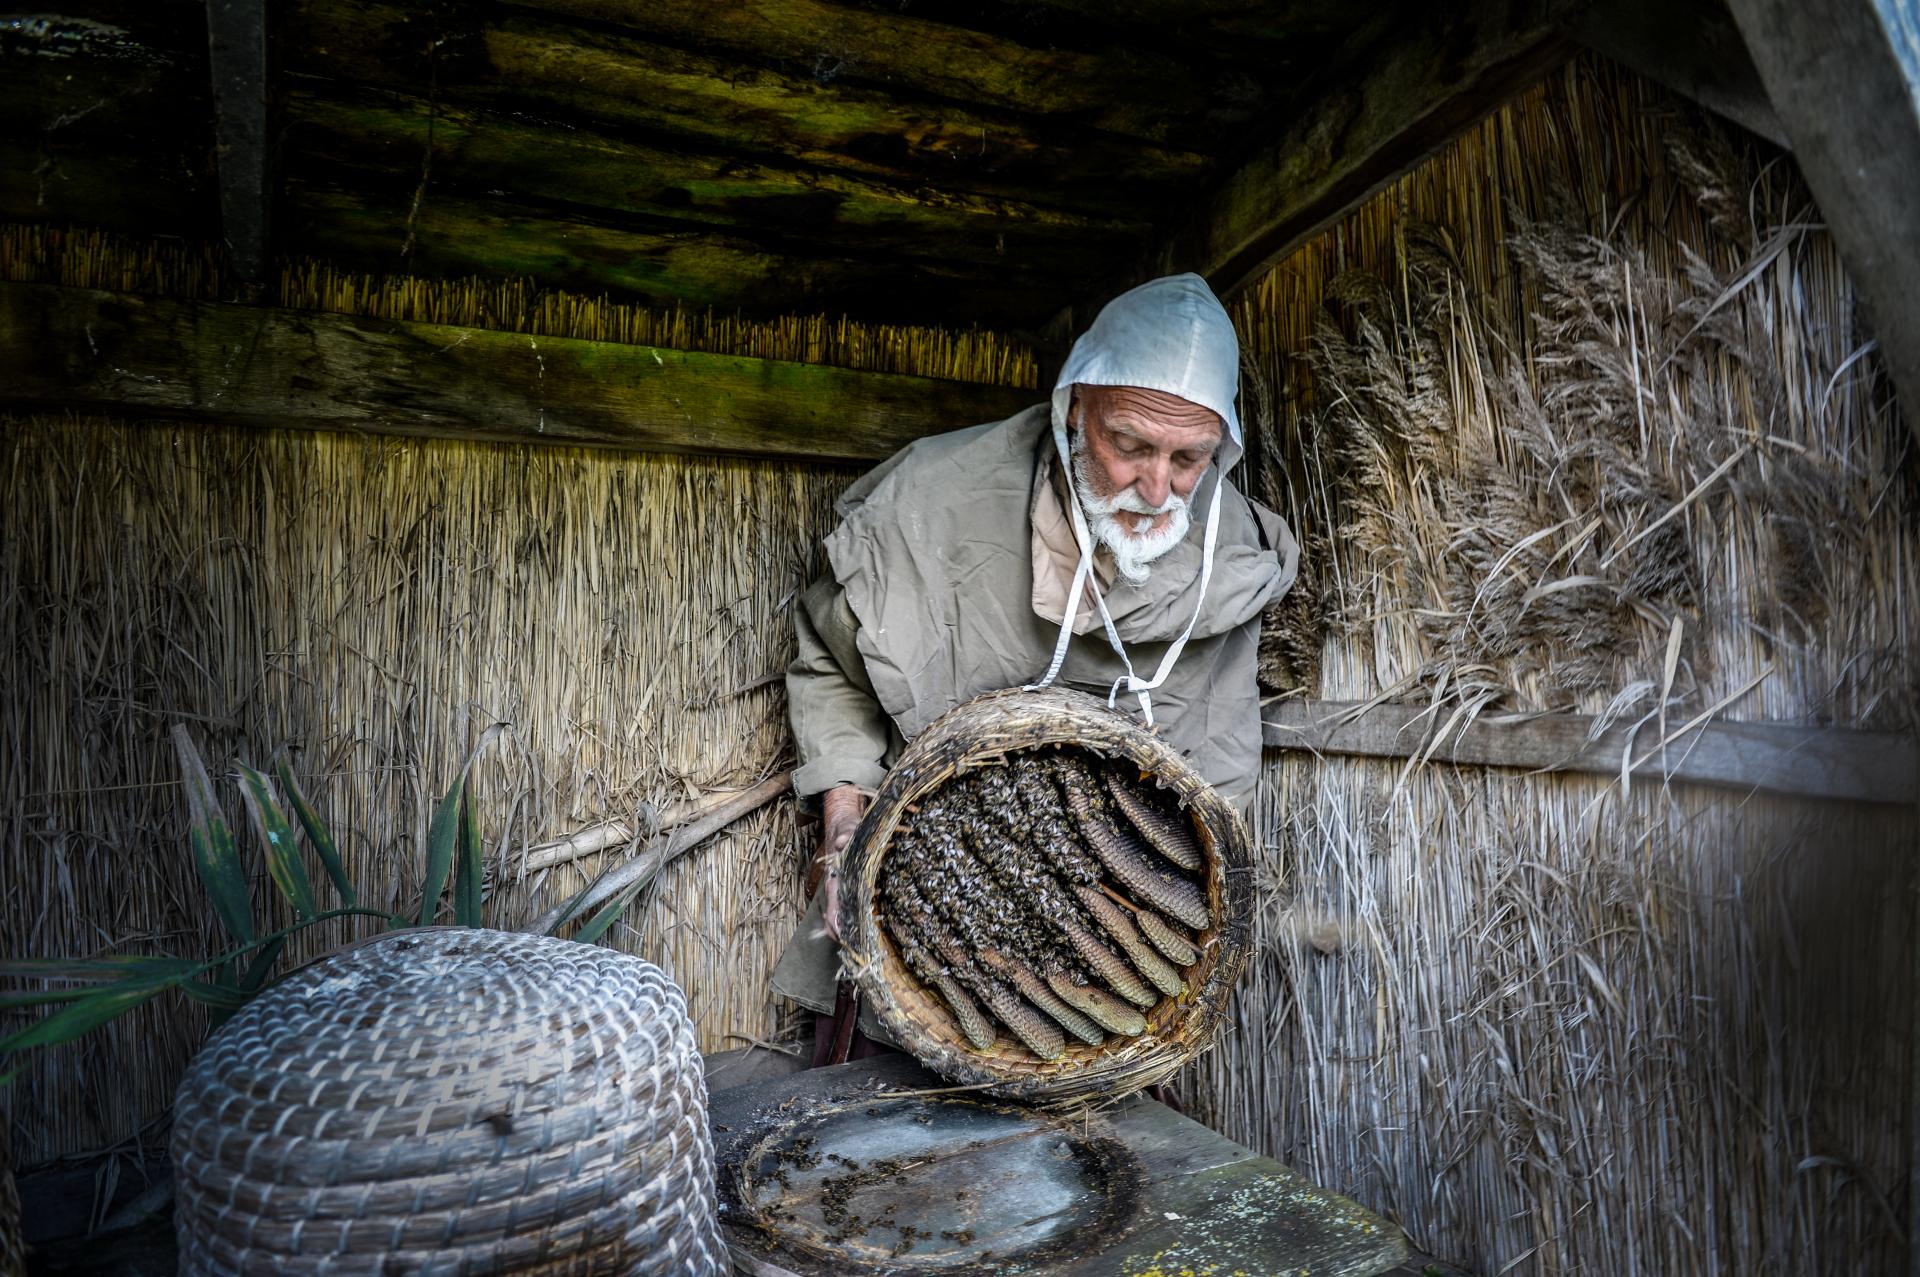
(1146, 444)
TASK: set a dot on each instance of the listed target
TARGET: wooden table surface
(882, 1167)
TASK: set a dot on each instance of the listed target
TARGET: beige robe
(949, 575)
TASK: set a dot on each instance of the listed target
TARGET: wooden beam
(585, 252)
(372, 139)
(147, 357)
(515, 61)
(1414, 84)
(1146, 92)
(1844, 78)
(90, 125)
(239, 42)
(1690, 46)
(1820, 762)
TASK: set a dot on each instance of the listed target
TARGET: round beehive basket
(451, 1100)
(979, 734)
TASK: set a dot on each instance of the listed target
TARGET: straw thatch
(85, 258)
(1551, 1026)
(1580, 415)
(371, 605)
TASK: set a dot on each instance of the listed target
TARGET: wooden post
(1690, 46)
(239, 45)
(1844, 78)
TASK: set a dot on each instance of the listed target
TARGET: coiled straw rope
(451, 1101)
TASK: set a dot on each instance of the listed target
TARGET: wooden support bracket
(1819, 762)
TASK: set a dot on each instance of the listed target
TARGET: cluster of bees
(1049, 894)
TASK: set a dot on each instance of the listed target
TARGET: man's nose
(1153, 481)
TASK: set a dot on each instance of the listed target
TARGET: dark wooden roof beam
(513, 61)
(1692, 47)
(1139, 92)
(373, 139)
(1411, 84)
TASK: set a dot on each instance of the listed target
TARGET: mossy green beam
(515, 61)
(145, 357)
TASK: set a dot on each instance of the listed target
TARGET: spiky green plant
(89, 992)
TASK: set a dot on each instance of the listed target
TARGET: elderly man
(1092, 541)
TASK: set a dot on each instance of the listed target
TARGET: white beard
(1133, 551)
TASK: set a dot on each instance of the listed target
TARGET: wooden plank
(239, 39)
(1692, 47)
(149, 357)
(590, 253)
(1043, 1192)
(92, 113)
(1844, 78)
(1144, 92)
(1414, 84)
(373, 139)
(1820, 762)
(514, 61)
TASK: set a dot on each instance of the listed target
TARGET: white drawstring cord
(1083, 578)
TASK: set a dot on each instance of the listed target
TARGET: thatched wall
(373, 604)
(1577, 416)
(1546, 1024)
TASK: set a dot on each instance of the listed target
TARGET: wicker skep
(451, 1101)
(982, 733)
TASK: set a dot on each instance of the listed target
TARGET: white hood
(1171, 335)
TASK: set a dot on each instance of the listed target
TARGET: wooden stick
(611, 833)
(662, 851)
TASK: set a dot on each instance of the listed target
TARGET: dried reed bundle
(1580, 415)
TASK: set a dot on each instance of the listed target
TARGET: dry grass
(372, 604)
(1580, 414)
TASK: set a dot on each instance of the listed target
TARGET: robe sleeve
(841, 733)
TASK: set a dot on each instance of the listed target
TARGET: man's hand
(840, 811)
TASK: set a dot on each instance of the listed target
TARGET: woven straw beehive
(984, 733)
(451, 1101)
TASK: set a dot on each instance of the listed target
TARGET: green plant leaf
(89, 975)
(261, 967)
(317, 834)
(444, 832)
(87, 1014)
(108, 966)
(276, 835)
(609, 914)
(211, 837)
(214, 996)
(468, 870)
(143, 977)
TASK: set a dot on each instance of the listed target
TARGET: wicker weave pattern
(451, 1102)
(981, 733)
